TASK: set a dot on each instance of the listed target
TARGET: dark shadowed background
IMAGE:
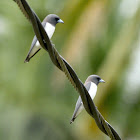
(99, 37)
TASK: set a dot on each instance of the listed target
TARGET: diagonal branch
(63, 65)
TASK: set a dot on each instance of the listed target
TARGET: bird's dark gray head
(53, 19)
(95, 79)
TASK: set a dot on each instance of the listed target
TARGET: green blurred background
(99, 37)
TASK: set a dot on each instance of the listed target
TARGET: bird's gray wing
(27, 59)
(79, 103)
(87, 85)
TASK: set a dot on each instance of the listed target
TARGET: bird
(90, 84)
(49, 24)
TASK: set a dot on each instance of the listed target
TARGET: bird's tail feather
(74, 116)
(27, 59)
(72, 120)
(79, 107)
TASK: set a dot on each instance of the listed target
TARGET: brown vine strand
(63, 65)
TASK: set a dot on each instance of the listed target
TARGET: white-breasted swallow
(91, 84)
(49, 23)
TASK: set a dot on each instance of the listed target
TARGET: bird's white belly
(92, 91)
(37, 45)
(50, 30)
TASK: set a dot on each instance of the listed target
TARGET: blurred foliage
(99, 37)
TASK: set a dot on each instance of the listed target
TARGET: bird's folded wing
(87, 85)
(32, 46)
(35, 38)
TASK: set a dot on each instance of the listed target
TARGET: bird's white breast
(92, 90)
(50, 30)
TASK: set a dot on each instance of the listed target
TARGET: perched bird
(49, 24)
(91, 84)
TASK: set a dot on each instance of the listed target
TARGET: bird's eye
(56, 19)
(99, 79)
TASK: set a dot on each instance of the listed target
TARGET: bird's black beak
(101, 81)
(60, 21)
